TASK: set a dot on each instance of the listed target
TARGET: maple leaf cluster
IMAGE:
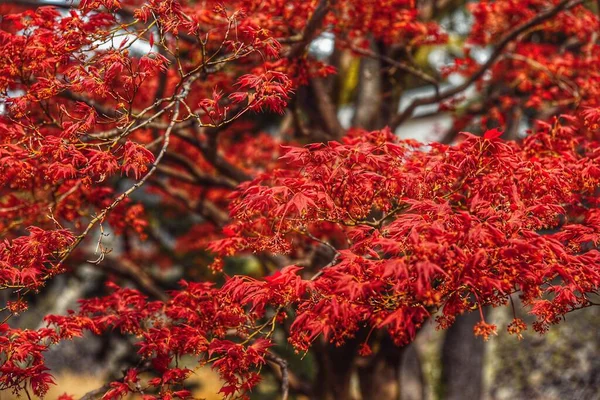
(450, 228)
(116, 102)
(541, 71)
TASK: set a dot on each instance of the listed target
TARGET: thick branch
(211, 155)
(133, 272)
(176, 174)
(205, 208)
(369, 94)
(327, 109)
(199, 176)
(312, 28)
(283, 367)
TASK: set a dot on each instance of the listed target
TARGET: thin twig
(98, 218)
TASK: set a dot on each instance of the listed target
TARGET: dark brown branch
(205, 209)
(176, 174)
(312, 28)
(199, 176)
(299, 124)
(210, 154)
(102, 110)
(93, 394)
(96, 393)
(434, 9)
(400, 65)
(333, 262)
(283, 367)
(327, 109)
(504, 42)
(287, 378)
(129, 270)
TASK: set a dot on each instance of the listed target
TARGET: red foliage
(410, 231)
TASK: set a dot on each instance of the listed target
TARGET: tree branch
(283, 366)
(311, 29)
(102, 110)
(327, 109)
(175, 103)
(205, 209)
(129, 270)
(211, 155)
(369, 94)
(93, 394)
(400, 65)
(504, 42)
(199, 176)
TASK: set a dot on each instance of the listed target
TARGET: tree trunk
(380, 376)
(368, 97)
(412, 382)
(335, 369)
(462, 360)
(393, 373)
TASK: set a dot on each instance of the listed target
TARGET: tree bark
(380, 377)
(368, 98)
(393, 373)
(462, 360)
(412, 381)
(335, 369)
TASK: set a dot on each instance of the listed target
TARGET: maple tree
(360, 235)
